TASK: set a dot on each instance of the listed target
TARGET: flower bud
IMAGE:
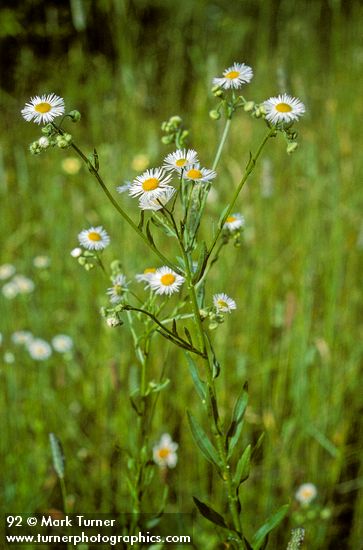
(113, 321)
(35, 148)
(215, 115)
(62, 142)
(249, 106)
(166, 140)
(68, 138)
(48, 130)
(292, 146)
(217, 91)
(75, 115)
(175, 120)
(43, 142)
(76, 252)
(82, 260)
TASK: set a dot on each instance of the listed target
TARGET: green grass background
(297, 333)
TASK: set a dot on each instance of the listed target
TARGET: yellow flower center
(232, 74)
(117, 289)
(222, 303)
(167, 279)
(164, 452)
(231, 219)
(306, 493)
(194, 174)
(181, 162)
(150, 184)
(43, 107)
(283, 108)
(93, 236)
(149, 270)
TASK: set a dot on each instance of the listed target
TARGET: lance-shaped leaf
(209, 513)
(203, 442)
(260, 535)
(243, 467)
(149, 235)
(238, 411)
(187, 334)
(198, 383)
(202, 261)
(96, 160)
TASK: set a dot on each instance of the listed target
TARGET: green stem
(216, 429)
(222, 142)
(170, 335)
(249, 168)
(64, 499)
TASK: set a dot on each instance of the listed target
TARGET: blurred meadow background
(127, 65)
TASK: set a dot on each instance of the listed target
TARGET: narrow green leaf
(238, 411)
(149, 235)
(214, 405)
(198, 383)
(234, 440)
(187, 334)
(174, 328)
(274, 521)
(258, 445)
(243, 467)
(96, 160)
(209, 513)
(203, 442)
(142, 218)
(202, 260)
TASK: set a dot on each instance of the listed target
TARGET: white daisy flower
(76, 252)
(223, 303)
(146, 276)
(166, 281)
(196, 173)
(41, 262)
(43, 109)
(94, 238)
(21, 337)
(164, 453)
(284, 108)
(117, 289)
(6, 271)
(150, 183)
(10, 290)
(235, 76)
(157, 203)
(181, 159)
(62, 343)
(23, 284)
(306, 493)
(39, 349)
(234, 221)
(113, 321)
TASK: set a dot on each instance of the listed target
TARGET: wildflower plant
(169, 298)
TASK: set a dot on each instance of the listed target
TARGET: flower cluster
(38, 348)
(153, 187)
(16, 284)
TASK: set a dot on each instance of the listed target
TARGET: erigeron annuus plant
(168, 298)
